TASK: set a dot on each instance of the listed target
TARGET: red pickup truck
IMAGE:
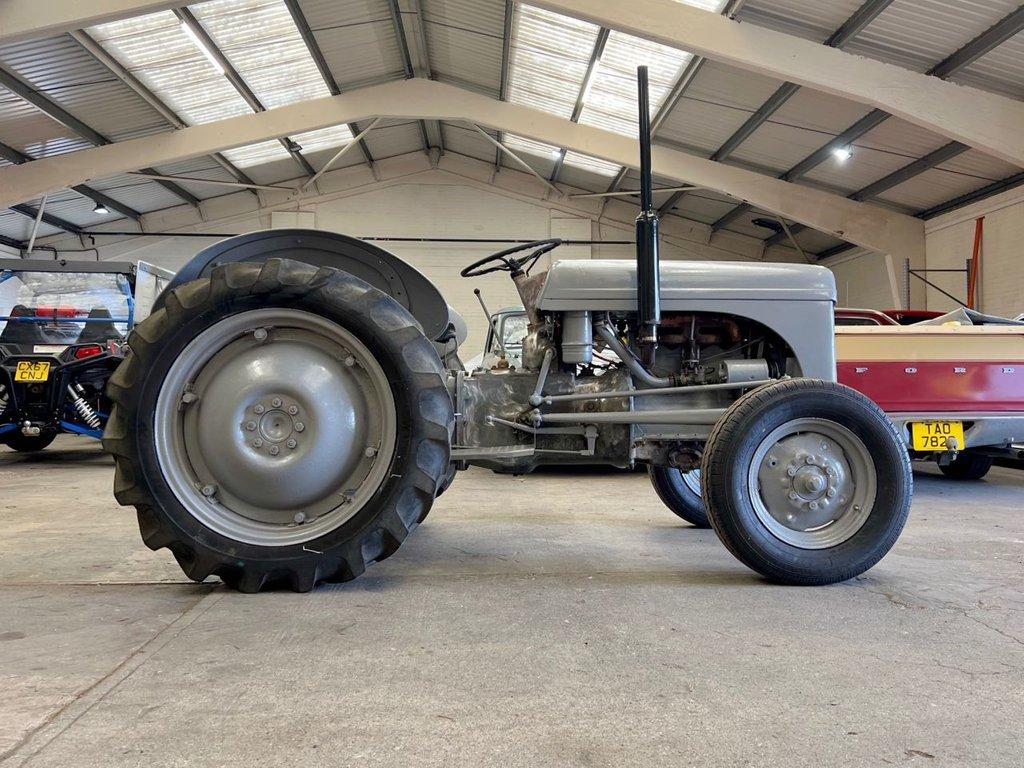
(953, 384)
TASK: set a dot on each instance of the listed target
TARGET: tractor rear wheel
(806, 482)
(279, 424)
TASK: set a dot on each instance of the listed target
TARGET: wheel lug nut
(831, 493)
(276, 402)
(299, 426)
(793, 496)
(791, 471)
(813, 505)
(293, 409)
(251, 426)
(809, 460)
(291, 443)
(259, 408)
(257, 443)
(208, 490)
(274, 450)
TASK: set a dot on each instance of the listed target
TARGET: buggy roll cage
(74, 267)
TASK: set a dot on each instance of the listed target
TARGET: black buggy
(62, 331)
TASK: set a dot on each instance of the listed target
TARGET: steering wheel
(508, 264)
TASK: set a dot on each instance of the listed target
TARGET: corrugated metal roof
(811, 20)
(24, 127)
(465, 39)
(357, 38)
(1001, 71)
(67, 74)
(917, 34)
(13, 224)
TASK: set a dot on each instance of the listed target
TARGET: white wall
(459, 199)
(950, 241)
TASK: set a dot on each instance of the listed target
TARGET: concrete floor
(550, 620)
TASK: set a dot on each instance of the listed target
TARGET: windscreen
(513, 330)
(51, 310)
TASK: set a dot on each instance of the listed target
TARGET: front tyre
(681, 493)
(279, 424)
(806, 482)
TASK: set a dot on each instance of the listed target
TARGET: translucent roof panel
(549, 60)
(611, 101)
(551, 54)
(261, 41)
(156, 49)
(592, 164)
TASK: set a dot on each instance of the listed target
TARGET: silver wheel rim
(275, 427)
(812, 483)
(691, 480)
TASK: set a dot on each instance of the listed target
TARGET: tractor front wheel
(681, 493)
(806, 482)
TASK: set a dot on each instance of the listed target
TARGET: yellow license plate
(938, 435)
(29, 371)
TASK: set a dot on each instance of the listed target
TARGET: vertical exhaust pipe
(648, 279)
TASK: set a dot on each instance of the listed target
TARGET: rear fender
(383, 270)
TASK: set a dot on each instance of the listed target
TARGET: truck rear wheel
(681, 493)
(967, 466)
(806, 482)
(279, 424)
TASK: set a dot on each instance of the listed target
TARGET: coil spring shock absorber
(85, 411)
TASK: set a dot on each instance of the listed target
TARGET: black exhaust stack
(648, 279)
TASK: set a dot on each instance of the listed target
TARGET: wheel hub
(266, 427)
(813, 488)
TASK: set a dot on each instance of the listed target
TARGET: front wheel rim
(275, 427)
(691, 480)
(812, 483)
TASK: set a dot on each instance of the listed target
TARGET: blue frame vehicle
(62, 331)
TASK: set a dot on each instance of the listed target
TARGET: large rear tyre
(806, 482)
(279, 424)
(681, 493)
(967, 466)
(28, 443)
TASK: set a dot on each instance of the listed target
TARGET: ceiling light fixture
(101, 209)
(190, 33)
(842, 154)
